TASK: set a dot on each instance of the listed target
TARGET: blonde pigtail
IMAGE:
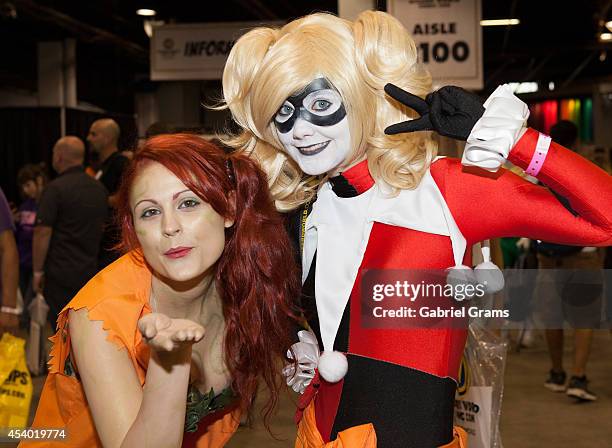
(243, 64)
(385, 53)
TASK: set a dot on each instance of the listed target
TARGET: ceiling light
(524, 87)
(609, 25)
(150, 24)
(146, 12)
(499, 22)
(605, 37)
(551, 85)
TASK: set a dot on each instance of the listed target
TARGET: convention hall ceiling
(555, 41)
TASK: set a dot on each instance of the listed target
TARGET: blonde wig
(267, 65)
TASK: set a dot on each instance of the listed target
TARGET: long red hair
(256, 274)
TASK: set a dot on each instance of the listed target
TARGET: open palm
(163, 333)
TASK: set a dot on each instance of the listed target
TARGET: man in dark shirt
(102, 139)
(69, 225)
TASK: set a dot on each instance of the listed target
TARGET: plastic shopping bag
(481, 386)
(36, 354)
(15, 383)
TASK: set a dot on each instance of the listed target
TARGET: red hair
(256, 274)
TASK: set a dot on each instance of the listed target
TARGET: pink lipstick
(178, 252)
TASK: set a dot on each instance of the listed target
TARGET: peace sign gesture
(450, 111)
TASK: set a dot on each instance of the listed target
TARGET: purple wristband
(539, 155)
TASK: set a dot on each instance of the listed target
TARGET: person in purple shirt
(31, 180)
(9, 269)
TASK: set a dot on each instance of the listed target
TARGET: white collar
(338, 229)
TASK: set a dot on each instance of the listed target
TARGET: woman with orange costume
(164, 347)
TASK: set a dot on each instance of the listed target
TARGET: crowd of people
(187, 256)
(64, 229)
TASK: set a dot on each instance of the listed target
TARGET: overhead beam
(85, 31)
(509, 28)
(579, 69)
(258, 9)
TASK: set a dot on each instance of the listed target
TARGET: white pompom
(488, 274)
(461, 275)
(333, 366)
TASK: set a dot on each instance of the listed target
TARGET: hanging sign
(195, 51)
(448, 37)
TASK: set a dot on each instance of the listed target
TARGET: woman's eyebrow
(176, 195)
(145, 200)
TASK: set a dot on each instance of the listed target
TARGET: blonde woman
(311, 100)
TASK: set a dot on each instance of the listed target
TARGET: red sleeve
(491, 205)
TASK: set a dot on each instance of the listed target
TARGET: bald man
(69, 225)
(102, 139)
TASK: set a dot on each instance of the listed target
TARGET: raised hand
(162, 333)
(450, 111)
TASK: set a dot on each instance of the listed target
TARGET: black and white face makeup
(313, 127)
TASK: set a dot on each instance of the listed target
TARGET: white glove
(307, 353)
(497, 131)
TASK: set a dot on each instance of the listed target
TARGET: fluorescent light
(605, 37)
(524, 87)
(146, 12)
(499, 22)
(609, 25)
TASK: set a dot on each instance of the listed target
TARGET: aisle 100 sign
(448, 37)
(440, 51)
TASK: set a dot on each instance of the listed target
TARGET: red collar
(354, 181)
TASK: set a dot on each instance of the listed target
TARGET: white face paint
(314, 129)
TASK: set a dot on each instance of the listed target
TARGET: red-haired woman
(165, 345)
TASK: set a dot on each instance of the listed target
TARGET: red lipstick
(178, 252)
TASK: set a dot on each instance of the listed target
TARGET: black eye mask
(299, 111)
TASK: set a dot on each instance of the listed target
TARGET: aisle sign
(195, 51)
(448, 37)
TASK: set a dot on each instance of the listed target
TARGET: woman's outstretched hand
(450, 111)
(164, 334)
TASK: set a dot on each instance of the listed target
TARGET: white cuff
(11, 310)
(497, 131)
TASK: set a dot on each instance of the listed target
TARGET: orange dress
(118, 296)
(362, 436)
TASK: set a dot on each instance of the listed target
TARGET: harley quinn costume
(311, 99)
(403, 381)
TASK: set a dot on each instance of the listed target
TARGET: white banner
(194, 51)
(448, 36)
